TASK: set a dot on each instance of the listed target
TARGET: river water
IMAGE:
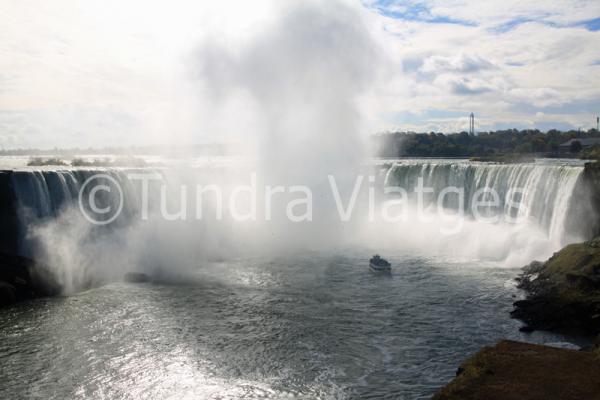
(274, 321)
(301, 326)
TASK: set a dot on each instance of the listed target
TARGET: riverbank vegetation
(123, 161)
(44, 162)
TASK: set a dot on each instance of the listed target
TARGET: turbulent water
(545, 189)
(311, 326)
(274, 322)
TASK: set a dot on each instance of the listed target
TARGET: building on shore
(584, 143)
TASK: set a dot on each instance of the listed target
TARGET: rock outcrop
(136, 277)
(586, 220)
(563, 293)
(9, 225)
(8, 293)
(23, 278)
(521, 371)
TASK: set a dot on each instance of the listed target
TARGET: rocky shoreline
(563, 295)
(522, 371)
(22, 278)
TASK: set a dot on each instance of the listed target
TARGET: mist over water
(295, 87)
(276, 327)
(302, 77)
(255, 314)
(180, 236)
(540, 208)
(257, 263)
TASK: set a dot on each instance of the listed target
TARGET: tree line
(484, 144)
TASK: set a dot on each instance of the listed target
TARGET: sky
(113, 73)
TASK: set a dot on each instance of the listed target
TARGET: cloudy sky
(89, 73)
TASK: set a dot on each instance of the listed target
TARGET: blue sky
(430, 12)
(526, 64)
(85, 73)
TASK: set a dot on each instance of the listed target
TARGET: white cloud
(80, 73)
(503, 76)
(461, 63)
(74, 71)
(491, 13)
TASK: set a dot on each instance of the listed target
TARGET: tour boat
(378, 264)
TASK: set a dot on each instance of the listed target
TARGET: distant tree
(523, 148)
(591, 153)
(498, 143)
(575, 146)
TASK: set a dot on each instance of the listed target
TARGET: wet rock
(564, 292)
(526, 329)
(8, 294)
(136, 277)
(27, 277)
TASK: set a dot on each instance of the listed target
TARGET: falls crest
(544, 191)
(552, 194)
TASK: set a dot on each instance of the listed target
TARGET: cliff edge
(563, 293)
(521, 371)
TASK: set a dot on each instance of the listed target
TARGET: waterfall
(556, 210)
(545, 189)
(42, 195)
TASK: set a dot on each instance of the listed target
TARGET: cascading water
(43, 195)
(544, 191)
(52, 227)
(443, 288)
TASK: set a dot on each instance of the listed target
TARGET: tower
(472, 124)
